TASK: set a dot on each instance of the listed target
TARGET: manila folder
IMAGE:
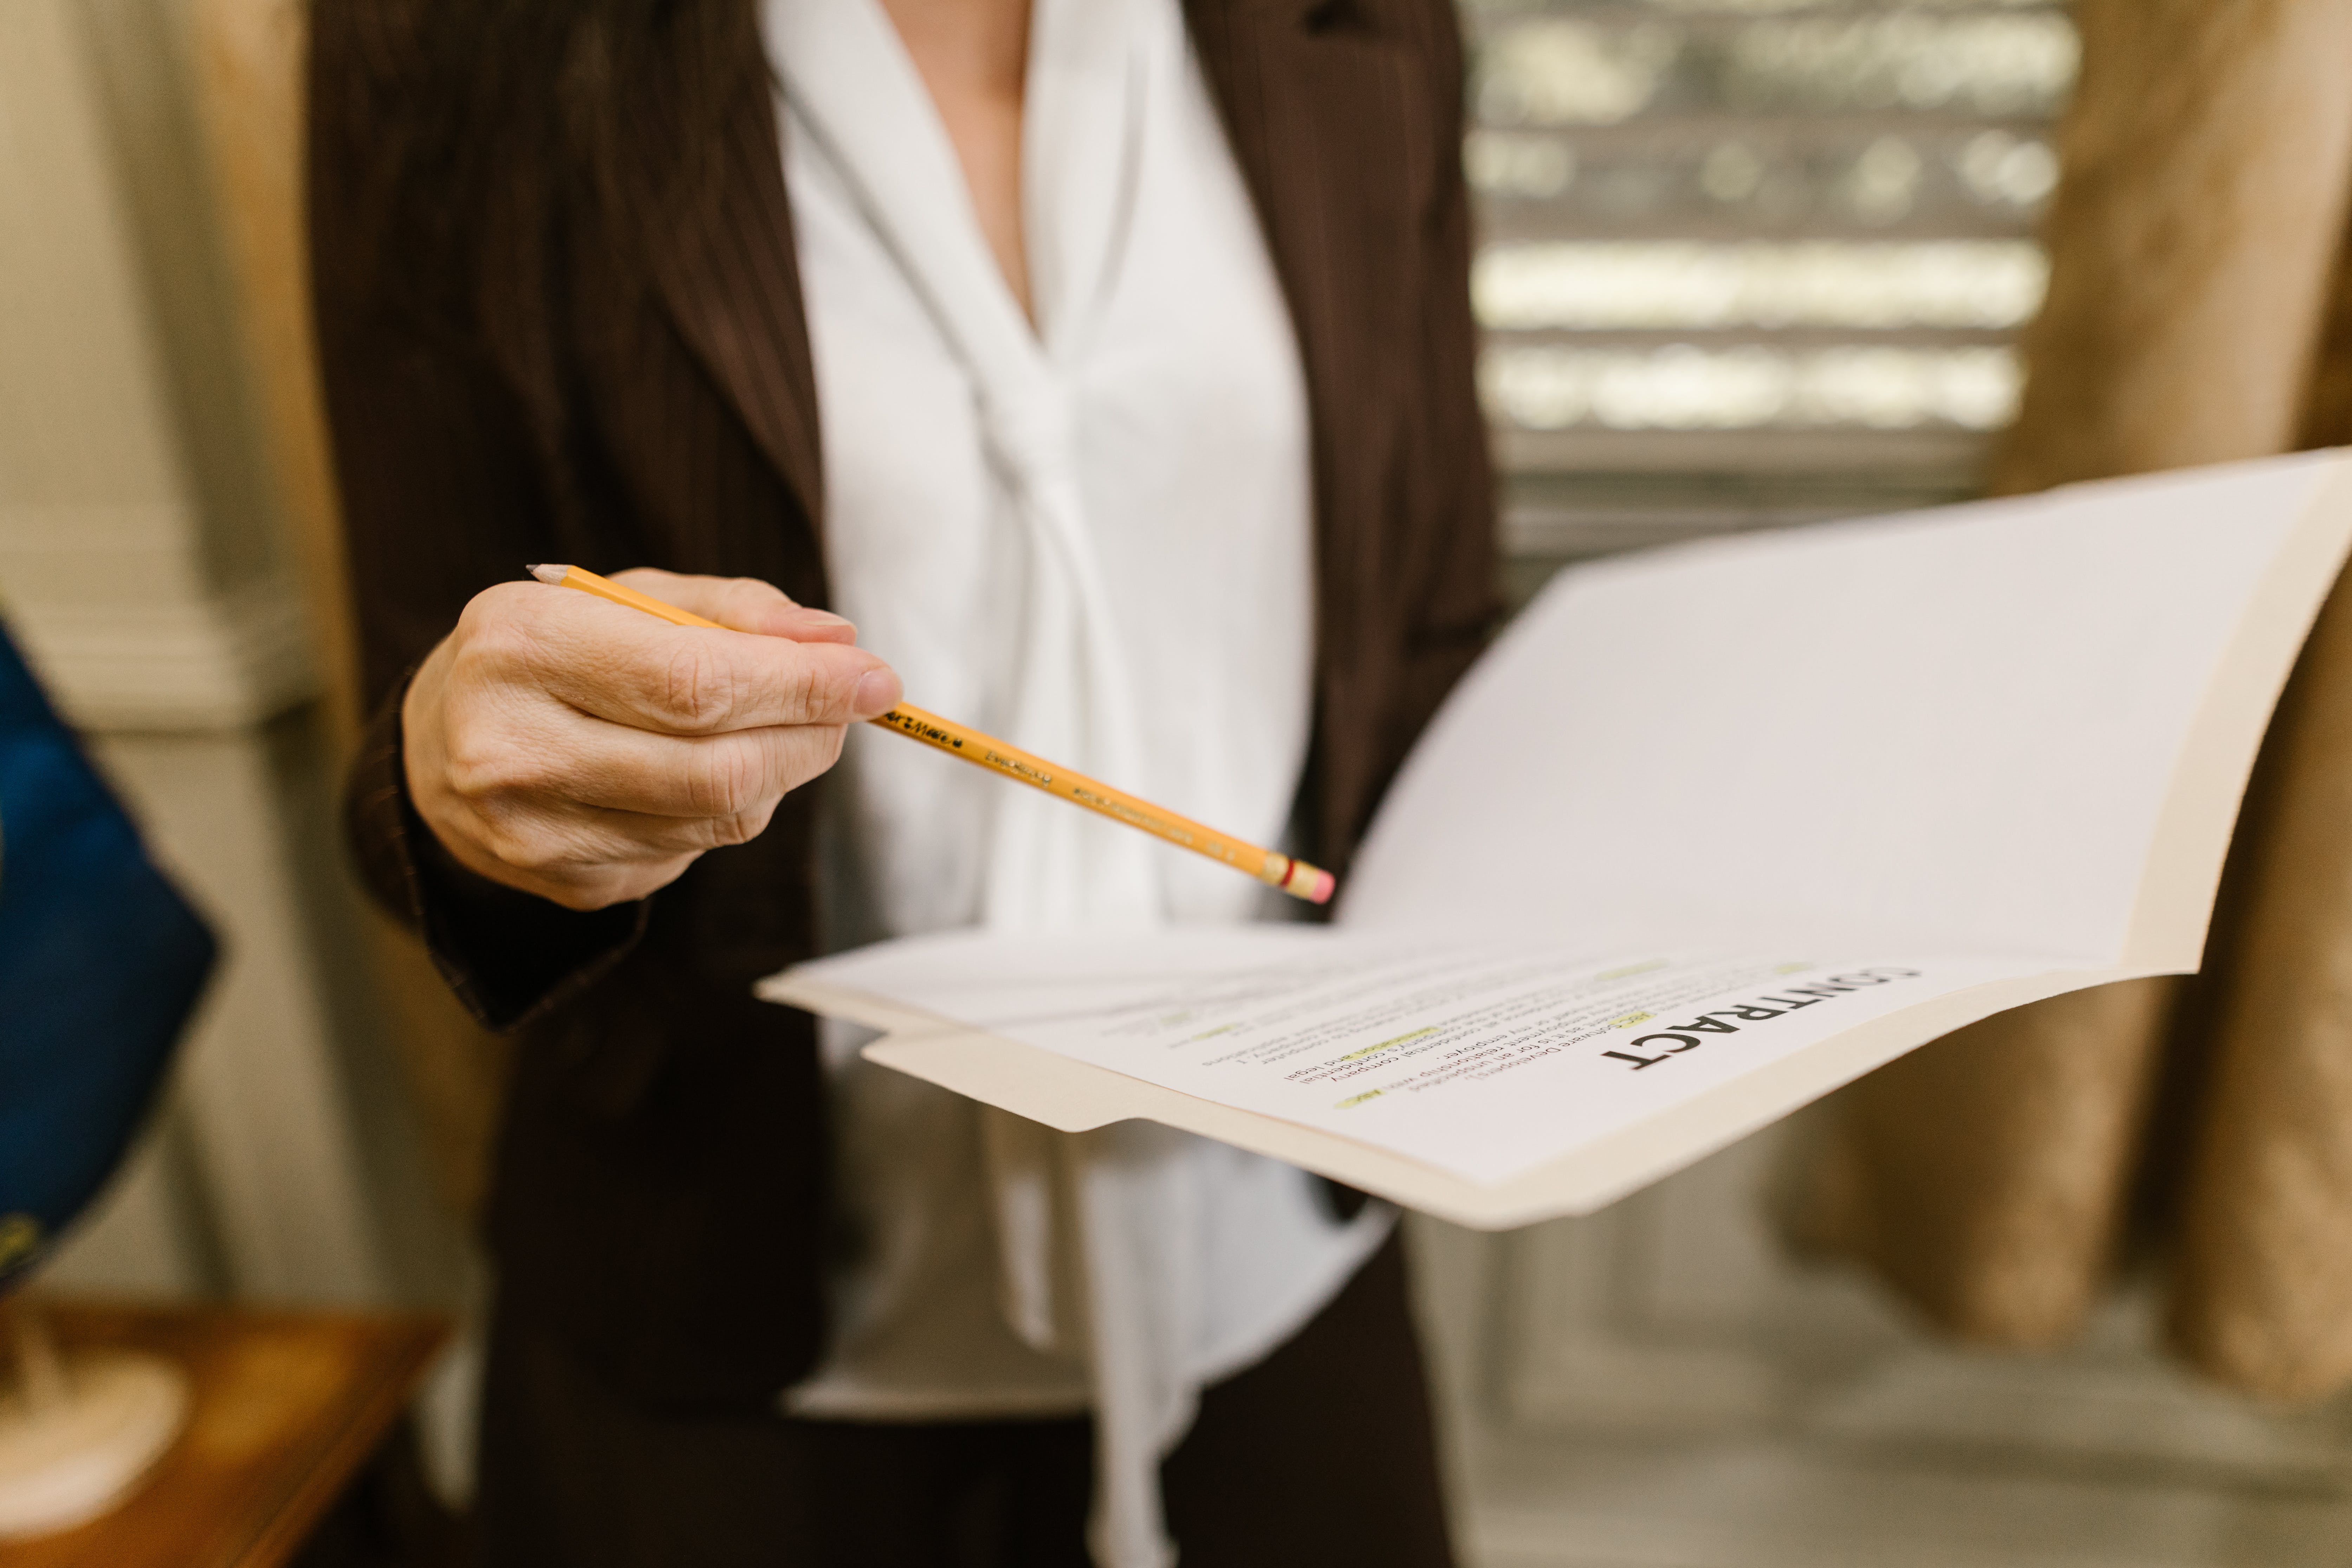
(1708, 831)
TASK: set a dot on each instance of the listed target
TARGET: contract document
(1709, 832)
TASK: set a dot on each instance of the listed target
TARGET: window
(1746, 262)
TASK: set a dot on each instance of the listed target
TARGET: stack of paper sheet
(1709, 832)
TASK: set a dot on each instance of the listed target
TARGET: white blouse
(1091, 536)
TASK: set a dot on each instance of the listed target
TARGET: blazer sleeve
(1460, 606)
(444, 493)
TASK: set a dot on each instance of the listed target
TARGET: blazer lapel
(1323, 113)
(1331, 121)
(1330, 124)
(728, 269)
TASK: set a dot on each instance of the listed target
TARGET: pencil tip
(548, 574)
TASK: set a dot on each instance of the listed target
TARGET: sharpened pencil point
(550, 575)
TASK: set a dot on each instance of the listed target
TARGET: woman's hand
(588, 752)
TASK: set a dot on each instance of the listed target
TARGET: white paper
(1946, 733)
(1481, 1060)
(1976, 756)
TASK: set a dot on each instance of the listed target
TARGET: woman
(1111, 366)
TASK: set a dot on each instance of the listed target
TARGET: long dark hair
(468, 120)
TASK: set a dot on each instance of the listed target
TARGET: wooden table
(284, 1408)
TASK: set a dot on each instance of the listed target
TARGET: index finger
(743, 604)
(625, 666)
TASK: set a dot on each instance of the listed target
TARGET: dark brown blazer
(625, 380)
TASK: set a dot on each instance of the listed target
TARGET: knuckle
(496, 612)
(727, 780)
(481, 765)
(753, 603)
(483, 616)
(810, 690)
(814, 749)
(477, 775)
(490, 650)
(737, 828)
(697, 689)
(529, 847)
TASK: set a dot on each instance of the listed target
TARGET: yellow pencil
(1271, 867)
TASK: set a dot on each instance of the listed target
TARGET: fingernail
(877, 693)
(820, 617)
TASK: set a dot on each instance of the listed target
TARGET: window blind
(1749, 262)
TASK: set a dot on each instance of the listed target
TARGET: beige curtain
(2200, 310)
